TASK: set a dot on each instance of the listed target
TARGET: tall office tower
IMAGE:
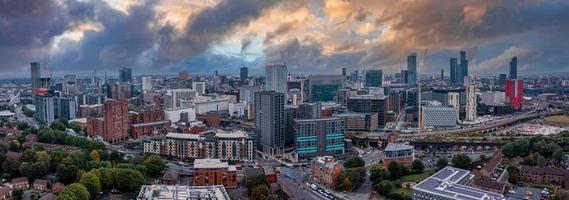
(125, 74)
(354, 76)
(369, 104)
(244, 73)
(199, 87)
(454, 100)
(318, 137)
(184, 75)
(324, 87)
(455, 72)
(270, 121)
(470, 99)
(65, 107)
(44, 108)
(146, 83)
(514, 68)
(344, 72)
(463, 65)
(412, 69)
(442, 74)
(35, 77)
(115, 113)
(515, 93)
(374, 78)
(404, 76)
(502, 79)
(276, 78)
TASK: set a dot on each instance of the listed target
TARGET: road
(23, 118)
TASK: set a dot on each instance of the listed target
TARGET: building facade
(276, 78)
(401, 153)
(209, 172)
(270, 121)
(515, 93)
(471, 101)
(324, 87)
(374, 78)
(325, 170)
(45, 111)
(318, 137)
(369, 104)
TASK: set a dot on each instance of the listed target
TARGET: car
(313, 187)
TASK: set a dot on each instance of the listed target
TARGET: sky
(311, 36)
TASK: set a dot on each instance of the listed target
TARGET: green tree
(67, 173)
(378, 173)
(558, 154)
(115, 156)
(46, 134)
(92, 183)
(66, 196)
(354, 161)
(128, 180)
(64, 121)
(260, 192)
(29, 155)
(417, 166)
(58, 126)
(37, 170)
(11, 166)
(461, 161)
(383, 187)
(43, 156)
(76, 190)
(442, 163)
(394, 170)
(76, 127)
(17, 193)
(95, 155)
(255, 181)
(154, 165)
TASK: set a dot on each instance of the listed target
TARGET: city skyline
(157, 37)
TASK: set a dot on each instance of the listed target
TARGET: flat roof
(398, 147)
(209, 164)
(183, 135)
(151, 123)
(444, 184)
(183, 192)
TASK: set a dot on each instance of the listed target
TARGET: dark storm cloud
(27, 28)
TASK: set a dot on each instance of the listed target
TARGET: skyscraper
(244, 73)
(502, 79)
(126, 74)
(442, 74)
(470, 99)
(463, 65)
(412, 69)
(146, 83)
(270, 121)
(369, 104)
(374, 78)
(515, 93)
(324, 87)
(65, 107)
(45, 111)
(276, 78)
(35, 76)
(514, 68)
(456, 72)
(344, 72)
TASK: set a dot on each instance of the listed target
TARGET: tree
(442, 163)
(76, 190)
(417, 166)
(115, 156)
(558, 154)
(353, 162)
(46, 135)
(17, 194)
(37, 170)
(513, 178)
(24, 168)
(67, 173)
(260, 192)
(378, 173)
(541, 161)
(64, 121)
(383, 187)
(65, 196)
(43, 156)
(76, 127)
(154, 165)
(128, 180)
(395, 170)
(461, 161)
(255, 181)
(29, 155)
(92, 183)
(513, 169)
(347, 184)
(95, 155)
(58, 126)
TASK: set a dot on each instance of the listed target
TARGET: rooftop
(209, 164)
(446, 183)
(398, 147)
(175, 192)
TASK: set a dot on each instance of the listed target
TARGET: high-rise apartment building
(514, 68)
(470, 99)
(270, 121)
(113, 126)
(65, 107)
(369, 104)
(515, 93)
(45, 111)
(463, 65)
(199, 87)
(374, 78)
(454, 100)
(174, 98)
(35, 77)
(276, 78)
(324, 87)
(243, 73)
(318, 137)
(412, 69)
(125, 74)
(146, 83)
(502, 79)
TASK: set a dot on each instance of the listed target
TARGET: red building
(515, 93)
(214, 172)
(147, 123)
(114, 125)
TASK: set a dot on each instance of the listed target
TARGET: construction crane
(420, 125)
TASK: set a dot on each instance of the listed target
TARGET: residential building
(45, 111)
(276, 78)
(199, 87)
(65, 107)
(113, 126)
(399, 152)
(40, 185)
(514, 68)
(493, 98)
(209, 172)
(374, 78)
(270, 121)
(325, 170)
(243, 73)
(515, 93)
(471, 101)
(451, 183)
(324, 87)
(126, 74)
(5, 192)
(21, 182)
(146, 83)
(182, 192)
(541, 175)
(318, 137)
(359, 121)
(454, 100)
(174, 98)
(308, 110)
(227, 146)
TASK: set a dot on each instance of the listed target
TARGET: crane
(420, 126)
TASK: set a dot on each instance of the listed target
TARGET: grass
(416, 177)
(557, 120)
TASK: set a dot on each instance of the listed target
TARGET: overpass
(374, 137)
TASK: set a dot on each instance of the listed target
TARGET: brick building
(214, 172)
(325, 170)
(401, 153)
(113, 126)
(147, 123)
(542, 175)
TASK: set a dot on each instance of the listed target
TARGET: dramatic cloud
(156, 36)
